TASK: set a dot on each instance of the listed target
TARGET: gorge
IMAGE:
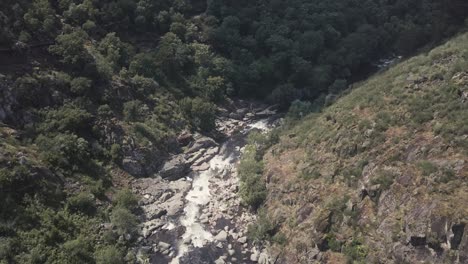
(199, 218)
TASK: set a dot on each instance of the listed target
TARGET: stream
(199, 218)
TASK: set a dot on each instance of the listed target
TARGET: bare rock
(221, 236)
(175, 168)
(242, 240)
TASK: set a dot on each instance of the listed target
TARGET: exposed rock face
(174, 169)
(142, 162)
(201, 142)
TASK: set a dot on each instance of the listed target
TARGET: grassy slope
(382, 169)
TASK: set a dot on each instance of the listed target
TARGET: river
(209, 225)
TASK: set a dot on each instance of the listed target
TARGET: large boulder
(174, 169)
(201, 142)
(142, 162)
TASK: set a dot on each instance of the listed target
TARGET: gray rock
(269, 111)
(145, 249)
(201, 142)
(203, 167)
(166, 196)
(242, 240)
(141, 162)
(164, 246)
(221, 236)
(235, 116)
(254, 257)
(220, 261)
(263, 258)
(175, 168)
(133, 167)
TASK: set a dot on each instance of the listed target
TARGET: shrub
(124, 221)
(355, 250)
(263, 228)
(82, 202)
(71, 47)
(109, 255)
(132, 110)
(126, 199)
(66, 151)
(144, 86)
(299, 109)
(427, 167)
(385, 179)
(80, 85)
(116, 152)
(115, 52)
(447, 175)
(104, 111)
(143, 131)
(77, 251)
(68, 118)
(201, 112)
(253, 191)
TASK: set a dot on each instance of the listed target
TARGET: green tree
(71, 47)
(80, 85)
(201, 112)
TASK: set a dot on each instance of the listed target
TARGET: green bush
(116, 153)
(71, 47)
(104, 111)
(263, 228)
(68, 118)
(355, 250)
(252, 190)
(143, 132)
(384, 178)
(143, 86)
(66, 151)
(124, 220)
(299, 109)
(427, 167)
(201, 112)
(132, 111)
(109, 255)
(82, 202)
(80, 85)
(126, 199)
(77, 251)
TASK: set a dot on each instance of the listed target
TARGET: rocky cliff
(381, 175)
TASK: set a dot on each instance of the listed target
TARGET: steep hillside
(98, 94)
(381, 176)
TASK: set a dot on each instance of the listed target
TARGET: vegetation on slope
(307, 49)
(381, 175)
(93, 93)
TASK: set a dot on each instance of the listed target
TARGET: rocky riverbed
(191, 212)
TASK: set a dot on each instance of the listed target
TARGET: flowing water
(198, 235)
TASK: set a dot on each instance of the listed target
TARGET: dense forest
(86, 84)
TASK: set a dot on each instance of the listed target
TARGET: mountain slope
(381, 175)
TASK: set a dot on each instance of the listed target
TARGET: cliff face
(381, 175)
